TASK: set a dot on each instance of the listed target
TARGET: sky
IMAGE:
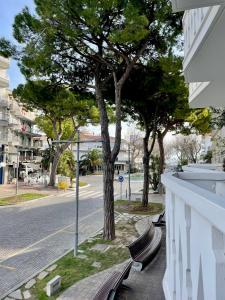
(8, 10)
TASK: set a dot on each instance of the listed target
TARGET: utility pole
(77, 194)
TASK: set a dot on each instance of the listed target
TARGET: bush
(63, 185)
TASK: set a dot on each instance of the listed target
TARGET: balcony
(4, 81)
(204, 46)
(181, 5)
(3, 139)
(195, 216)
(203, 94)
(4, 62)
(4, 118)
(3, 102)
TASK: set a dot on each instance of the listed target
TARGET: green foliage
(47, 158)
(156, 95)
(57, 102)
(154, 174)
(208, 157)
(91, 160)
(67, 165)
(65, 40)
(200, 120)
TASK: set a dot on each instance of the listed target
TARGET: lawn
(20, 198)
(135, 207)
(82, 183)
(73, 269)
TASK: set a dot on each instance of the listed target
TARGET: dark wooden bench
(161, 220)
(114, 282)
(145, 248)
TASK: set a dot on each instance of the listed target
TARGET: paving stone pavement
(16, 270)
(145, 285)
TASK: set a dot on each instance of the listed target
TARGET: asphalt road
(35, 234)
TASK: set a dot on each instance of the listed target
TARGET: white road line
(50, 235)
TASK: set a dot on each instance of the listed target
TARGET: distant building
(94, 142)
(17, 133)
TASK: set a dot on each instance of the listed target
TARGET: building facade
(17, 135)
(195, 205)
(91, 141)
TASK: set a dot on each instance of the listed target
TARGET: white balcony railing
(195, 216)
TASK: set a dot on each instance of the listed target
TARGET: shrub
(63, 185)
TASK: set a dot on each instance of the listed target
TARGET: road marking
(50, 235)
(7, 267)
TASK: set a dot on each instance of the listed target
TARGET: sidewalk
(143, 285)
(8, 190)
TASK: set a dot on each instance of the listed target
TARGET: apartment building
(91, 141)
(17, 135)
(195, 205)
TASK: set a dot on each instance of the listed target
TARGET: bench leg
(124, 287)
(112, 295)
(137, 266)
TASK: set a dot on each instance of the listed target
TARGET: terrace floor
(147, 285)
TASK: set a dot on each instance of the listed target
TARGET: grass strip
(135, 207)
(73, 269)
(20, 198)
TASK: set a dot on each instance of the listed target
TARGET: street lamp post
(129, 187)
(77, 194)
(78, 142)
(17, 170)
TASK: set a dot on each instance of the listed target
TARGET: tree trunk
(108, 167)
(162, 153)
(146, 160)
(108, 188)
(54, 168)
(161, 161)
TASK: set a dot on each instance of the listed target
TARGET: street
(35, 234)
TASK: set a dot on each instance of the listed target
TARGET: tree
(208, 157)
(154, 173)
(67, 165)
(84, 42)
(187, 149)
(136, 146)
(91, 160)
(155, 96)
(62, 112)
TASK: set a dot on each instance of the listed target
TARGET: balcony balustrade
(195, 216)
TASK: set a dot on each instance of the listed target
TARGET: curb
(37, 199)
(46, 266)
